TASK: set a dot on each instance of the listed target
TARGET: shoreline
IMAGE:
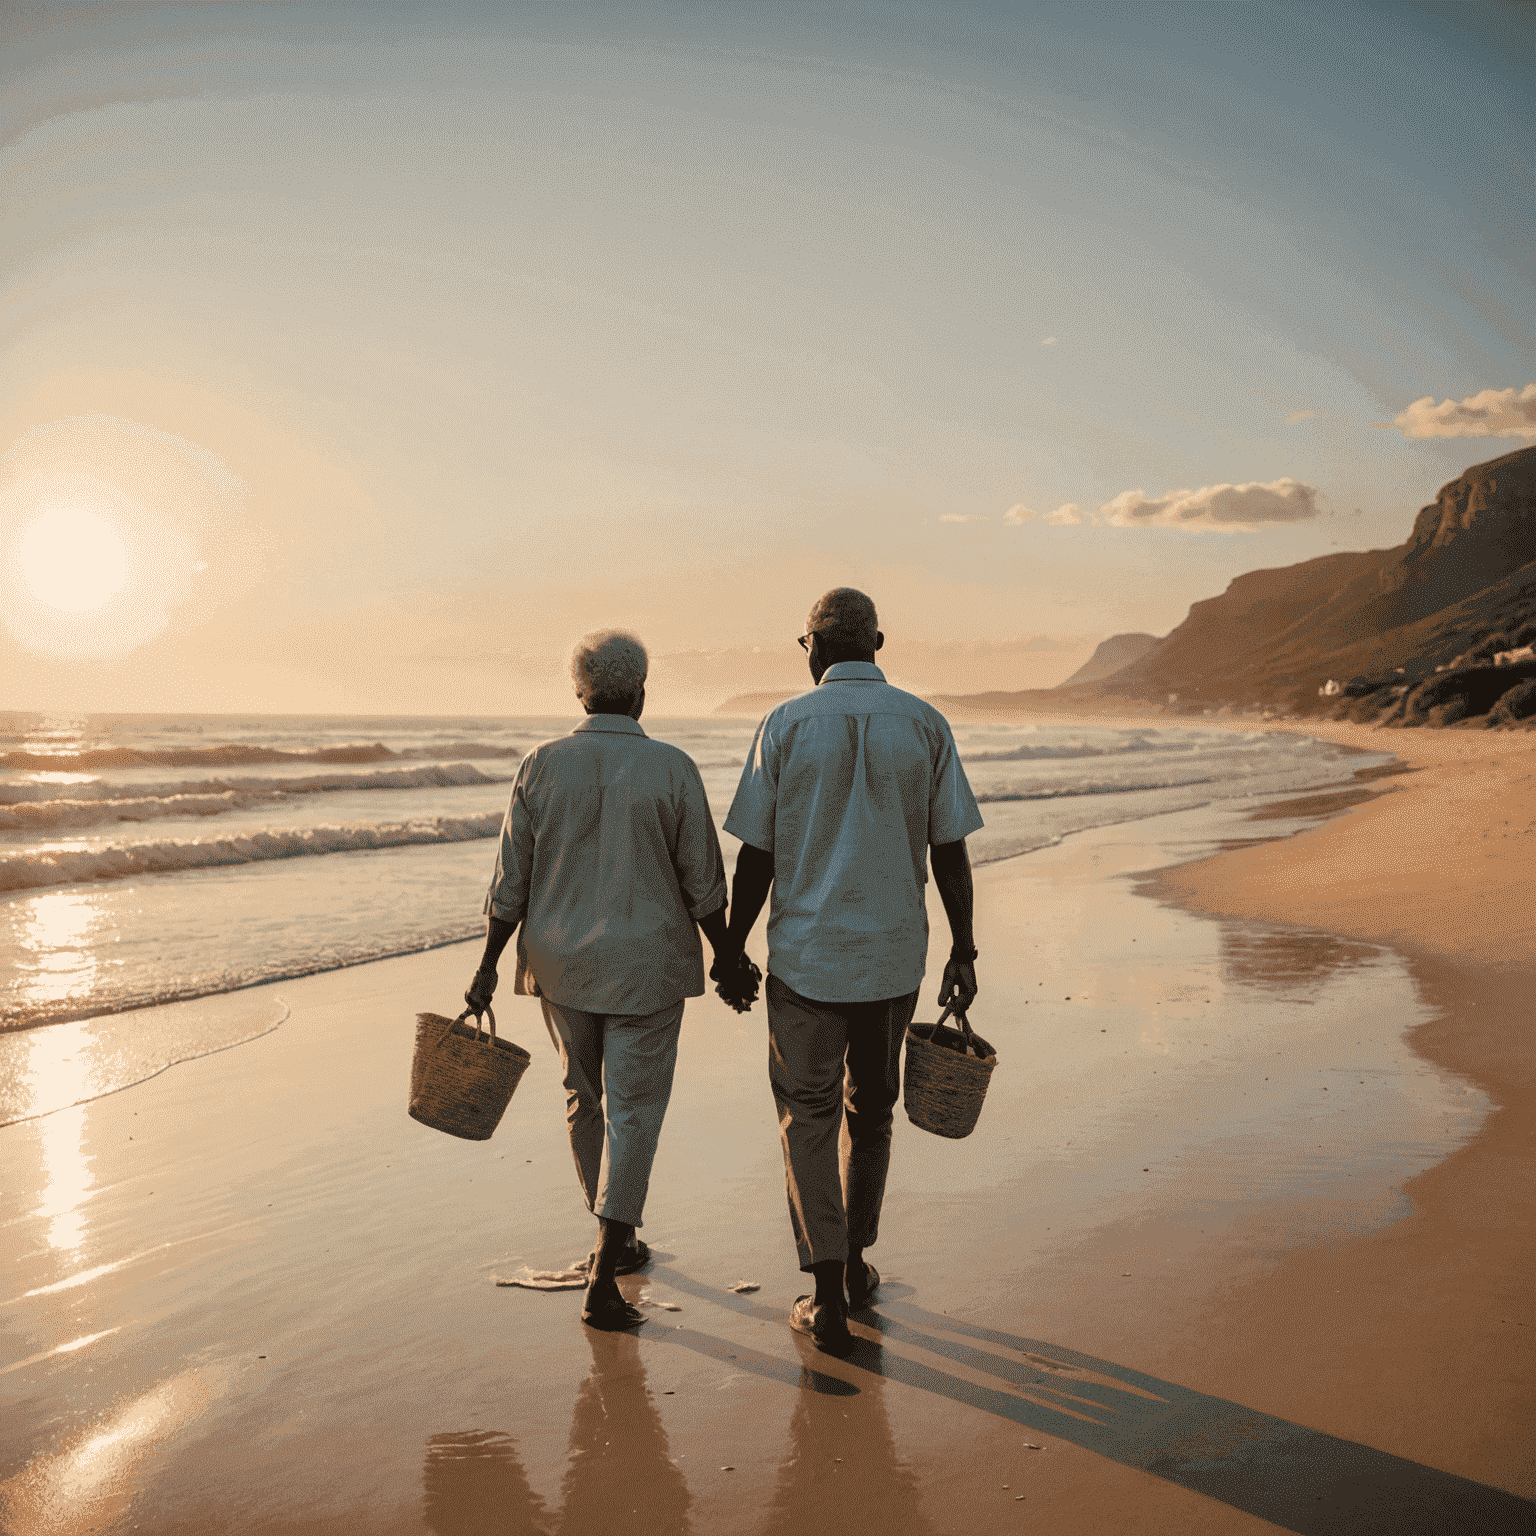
(69, 1013)
(1438, 870)
(293, 1362)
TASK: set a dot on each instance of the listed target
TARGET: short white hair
(609, 666)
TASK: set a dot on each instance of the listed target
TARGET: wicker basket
(946, 1079)
(462, 1080)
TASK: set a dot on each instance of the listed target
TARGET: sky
(365, 355)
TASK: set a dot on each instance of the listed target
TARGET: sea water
(149, 858)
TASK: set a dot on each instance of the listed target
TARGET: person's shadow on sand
(1300, 1479)
(620, 1475)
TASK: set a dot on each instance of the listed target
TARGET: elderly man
(610, 863)
(845, 791)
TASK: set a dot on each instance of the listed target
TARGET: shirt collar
(620, 725)
(853, 671)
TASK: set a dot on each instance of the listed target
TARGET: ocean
(150, 858)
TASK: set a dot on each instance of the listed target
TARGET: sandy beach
(1241, 1243)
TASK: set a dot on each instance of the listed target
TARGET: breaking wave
(42, 807)
(70, 866)
(235, 755)
(1094, 787)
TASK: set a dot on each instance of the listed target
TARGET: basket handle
(965, 1025)
(490, 1013)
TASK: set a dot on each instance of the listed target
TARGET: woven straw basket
(462, 1080)
(945, 1084)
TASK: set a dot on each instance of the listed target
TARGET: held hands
(737, 980)
(481, 990)
(958, 990)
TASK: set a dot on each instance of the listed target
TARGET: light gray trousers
(618, 1079)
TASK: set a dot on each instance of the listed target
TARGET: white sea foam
(438, 776)
(46, 815)
(245, 899)
(63, 866)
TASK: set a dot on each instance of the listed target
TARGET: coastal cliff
(1410, 633)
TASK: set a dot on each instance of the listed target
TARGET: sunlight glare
(73, 560)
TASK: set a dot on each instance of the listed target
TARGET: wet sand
(1227, 1253)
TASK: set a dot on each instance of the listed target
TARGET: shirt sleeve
(508, 896)
(696, 858)
(952, 809)
(752, 811)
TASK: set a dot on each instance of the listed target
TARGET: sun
(73, 560)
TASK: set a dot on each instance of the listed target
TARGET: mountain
(755, 704)
(1381, 624)
(1116, 652)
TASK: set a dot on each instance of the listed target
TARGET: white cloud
(1048, 341)
(1489, 413)
(1297, 416)
(1062, 517)
(962, 517)
(1215, 508)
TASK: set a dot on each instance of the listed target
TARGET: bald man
(845, 792)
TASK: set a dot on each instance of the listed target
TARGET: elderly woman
(610, 863)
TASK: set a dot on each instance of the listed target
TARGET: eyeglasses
(804, 642)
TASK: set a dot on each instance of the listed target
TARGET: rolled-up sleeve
(751, 815)
(697, 859)
(952, 809)
(508, 896)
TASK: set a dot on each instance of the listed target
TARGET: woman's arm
(497, 933)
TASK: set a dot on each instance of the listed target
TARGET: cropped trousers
(836, 1075)
(618, 1079)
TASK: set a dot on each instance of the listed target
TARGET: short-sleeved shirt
(608, 855)
(847, 786)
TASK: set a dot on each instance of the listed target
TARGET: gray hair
(845, 616)
(609, 666)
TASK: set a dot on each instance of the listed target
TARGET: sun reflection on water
(58, 958)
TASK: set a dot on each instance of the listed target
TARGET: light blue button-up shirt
(847, 786)
(608, 855)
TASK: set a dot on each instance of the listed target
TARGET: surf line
(42, 1114)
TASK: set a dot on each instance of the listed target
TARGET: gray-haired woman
(608, 867)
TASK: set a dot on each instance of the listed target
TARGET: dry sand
(1224, 1248)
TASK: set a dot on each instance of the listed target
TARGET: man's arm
(749, 890)
(952, 874)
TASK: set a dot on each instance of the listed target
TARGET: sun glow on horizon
(73, 560)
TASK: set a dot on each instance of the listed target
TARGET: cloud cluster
(1489, 413)
(1065, 516)
(1224, 508)
(1213, 508)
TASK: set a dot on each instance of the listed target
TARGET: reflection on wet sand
(55, 1069)
(1284, 959)
(842, 1472)
(620, 1475)
(93, 1484)
(474, 1485)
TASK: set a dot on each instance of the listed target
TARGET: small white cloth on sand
(743, 1286)
(572, 1278)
